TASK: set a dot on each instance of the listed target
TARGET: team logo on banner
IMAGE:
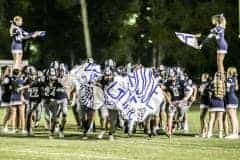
(188, 39)
(136, 96)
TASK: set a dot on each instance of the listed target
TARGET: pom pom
(42, 33)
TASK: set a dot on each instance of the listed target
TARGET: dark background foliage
(150, 40)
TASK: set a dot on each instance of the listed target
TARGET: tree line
(138, 31)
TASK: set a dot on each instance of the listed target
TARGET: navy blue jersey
(49, 90)
(27, 81)
(176, 90)
(60, 91)
(35, 91)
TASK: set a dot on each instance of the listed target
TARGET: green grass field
(183, 147)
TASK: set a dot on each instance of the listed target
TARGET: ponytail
(11, 28)
(220, 20)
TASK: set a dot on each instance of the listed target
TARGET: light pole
(86, 28)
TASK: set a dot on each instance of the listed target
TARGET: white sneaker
(36, 125)
(61, 134)
(220, 135)
(13, 131)
(111, 138)
(185, 131)
(185, 128)
(4, 130)
(100, 136)
(204, 135)
(209, 135)
(84, 138)
(57, 129)
(232, 136)
(155, 130)
(46, 126)
(24, 132)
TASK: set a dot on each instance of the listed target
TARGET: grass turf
(183, 147)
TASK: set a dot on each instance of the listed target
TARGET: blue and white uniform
(18, 35)
(17, 82)
(204, 95)
(231, 98)
(218, 33)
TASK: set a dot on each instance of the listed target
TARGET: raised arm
(212, 34)
(26, 35)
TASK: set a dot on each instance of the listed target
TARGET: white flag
(188, 39)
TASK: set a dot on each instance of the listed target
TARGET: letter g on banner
(114, 91)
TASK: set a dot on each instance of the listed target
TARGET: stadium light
(33, 48)
(132, 19)
(148, 8)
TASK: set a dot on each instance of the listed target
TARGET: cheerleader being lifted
(18, 36)
(219, 21)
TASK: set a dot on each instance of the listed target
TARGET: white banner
(136, 95)
(188, 39)
(83, 78)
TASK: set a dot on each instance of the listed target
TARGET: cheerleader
(204, 103)
(18, 35)
(218, 32)
(232, 101)
(6, 95)
(17, 105)
(217, 105)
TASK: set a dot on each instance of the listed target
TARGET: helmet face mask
(190, 82)
(61, 73)
(33, 77)
(161, 68)
(108, 71)
(90, 60)
(52, 74)
(54, 65)
(182, 77)
(32, 71)
(40, 76)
